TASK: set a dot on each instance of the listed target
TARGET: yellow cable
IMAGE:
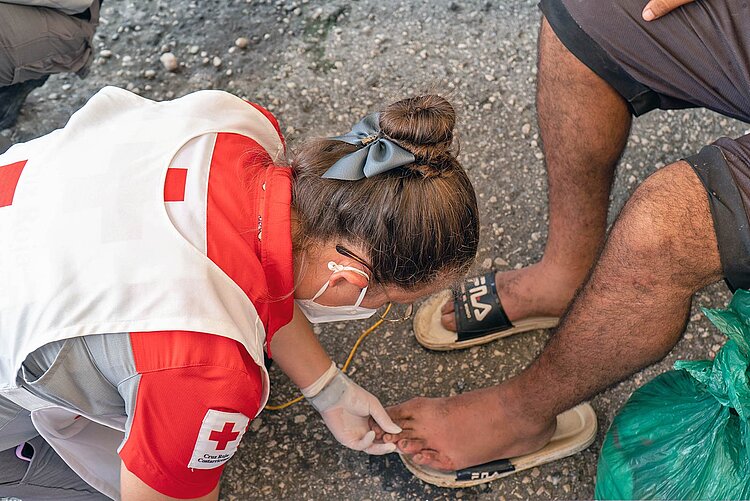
(346, 364)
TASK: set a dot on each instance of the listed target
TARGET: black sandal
(480, 317)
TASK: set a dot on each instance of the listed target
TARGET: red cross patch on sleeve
(218, 439)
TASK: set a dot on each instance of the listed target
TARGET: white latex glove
(346, 408)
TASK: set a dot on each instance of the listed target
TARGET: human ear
(352, 277)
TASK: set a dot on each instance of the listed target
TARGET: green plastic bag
(686, 434)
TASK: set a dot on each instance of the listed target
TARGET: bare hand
(658, 8)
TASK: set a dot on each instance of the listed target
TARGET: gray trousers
(37, 41)
(46, 477)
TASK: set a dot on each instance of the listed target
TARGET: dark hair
(418, 222)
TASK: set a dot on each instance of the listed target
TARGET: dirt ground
(322, 65)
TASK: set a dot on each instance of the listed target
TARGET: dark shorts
(696, 56)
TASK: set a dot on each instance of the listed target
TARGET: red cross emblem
(223, 437)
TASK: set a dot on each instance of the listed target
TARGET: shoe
(480, 317)
(576, 430)
(12, 98)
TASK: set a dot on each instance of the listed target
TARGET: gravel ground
(322, 65)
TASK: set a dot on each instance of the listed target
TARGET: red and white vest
(88, 248)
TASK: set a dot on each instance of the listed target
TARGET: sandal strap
(477, 308)
(485, 470)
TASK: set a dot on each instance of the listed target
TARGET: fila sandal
(576, 430)
(480, 317)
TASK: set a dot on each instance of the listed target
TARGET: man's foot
(538, 290)
(12, 98)
(467, 430)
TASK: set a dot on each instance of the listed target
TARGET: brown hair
(418, 222)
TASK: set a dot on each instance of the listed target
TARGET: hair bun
(424, 126)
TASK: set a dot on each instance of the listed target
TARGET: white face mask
(320, 313)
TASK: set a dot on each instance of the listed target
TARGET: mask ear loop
(320, 291)
(335, 267)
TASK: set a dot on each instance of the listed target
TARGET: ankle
(519, 407)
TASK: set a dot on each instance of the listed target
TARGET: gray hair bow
(377, 155)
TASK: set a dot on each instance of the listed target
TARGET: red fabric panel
(182, 376)
(237, 204)
(9, 175)
(174, 185)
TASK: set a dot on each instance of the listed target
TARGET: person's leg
(584, 126)
(629, 314)
(663, 64)
(35, 43)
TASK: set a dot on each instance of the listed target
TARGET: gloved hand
(346, 408)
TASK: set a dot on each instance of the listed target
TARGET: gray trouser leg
(37, 41)
(46, 477)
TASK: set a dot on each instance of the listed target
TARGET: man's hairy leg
(629, 314)
(584, 125)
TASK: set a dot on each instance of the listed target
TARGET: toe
(448, 320)
(411, 445)
(447, 308)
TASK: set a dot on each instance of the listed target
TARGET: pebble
(300, 418)
(487, 264)
(66, 87)
(169, 61)
(149, 73)
(105, 53)
(500, 262)
(526, 129)
(242, 43)
(535, 472)
(193, 49)
(216, 61)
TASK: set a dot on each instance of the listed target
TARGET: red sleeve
(191, 410)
